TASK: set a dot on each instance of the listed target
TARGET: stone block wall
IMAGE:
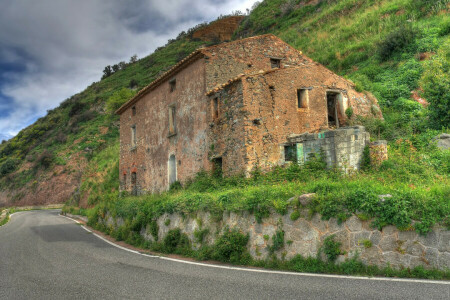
(305, 236)
(342, 147)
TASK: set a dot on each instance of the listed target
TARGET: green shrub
(277, 242)
(231, 246)
(176, 241)
(349, 112)
(8, 166)
(294, 215)
(396, 41)
(119, 98)
(331, 248)
(45, 159)
(200, 234)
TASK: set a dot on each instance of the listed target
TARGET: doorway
(332, 109)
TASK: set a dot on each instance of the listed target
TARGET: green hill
(390, 48)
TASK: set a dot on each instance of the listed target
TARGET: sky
(52, 49)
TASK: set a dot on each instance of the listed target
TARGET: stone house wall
(305, 236)
(149, 159)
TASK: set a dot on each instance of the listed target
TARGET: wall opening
(172, 85)
(133, 110)
(124, 180)
(172, 169)
(290, 153)
(172, 125)
(275, 63)
(215, 108)
(217, 166)
(133, 136)
(332, 109)
(133, 183)
(302, 98)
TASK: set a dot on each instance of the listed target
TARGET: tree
(133, 59)
(122, 65)
(115, 68)
(107, 72)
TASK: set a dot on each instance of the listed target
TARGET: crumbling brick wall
(250, 55)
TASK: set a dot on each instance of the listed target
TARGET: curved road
(46, 256)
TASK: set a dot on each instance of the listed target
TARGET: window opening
(172, 125)
(133, 136)
(133, 110)
(215, 108)
(133, 178)
(332, 113)
(173, 85)
(172, 169)
(217, 166)
(124, 179)
(275, 63)
(302, 98)
(290, 153)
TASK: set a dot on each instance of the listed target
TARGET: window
(133, 178)
(125, 179)
(290, 153)
(302, 98)
(133, 136)
(275, 63)
(172, 169)
(215, 108)
(173, 85)
(133, 110)
(217, 166)
(172, 125)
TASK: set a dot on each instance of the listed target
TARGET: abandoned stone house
(231, 106)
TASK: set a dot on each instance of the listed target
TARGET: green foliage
(167, 222)
(176, 186)
(331, 248)
(349, 112)
(436, 84)
(154, 229)
(119, 98)
(45, 159)
(231, 246)
(396, 41)
(200, 234)
(8, 166)
(277, 242)
(366, 243)
(295, 215)
(176, 241)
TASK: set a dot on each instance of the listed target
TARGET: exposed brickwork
(256, 111)
(221, 30)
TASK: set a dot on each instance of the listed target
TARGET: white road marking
(266, 271)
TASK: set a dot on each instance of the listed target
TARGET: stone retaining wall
(305, 236)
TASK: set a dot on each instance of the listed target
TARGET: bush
(436, 85)
(8, 166)
(45, 159)
(175, 240)
(231, 246)
(86, 116)
(119, 98)
(396, 41)
(331, 248)
(76, 108)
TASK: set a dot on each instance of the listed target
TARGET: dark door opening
(332, 113)
(217, 167)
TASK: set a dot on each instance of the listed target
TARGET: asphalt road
(46, 256)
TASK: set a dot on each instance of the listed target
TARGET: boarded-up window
(133, 136)
(172, 125)
(275, 63)
(302, 98)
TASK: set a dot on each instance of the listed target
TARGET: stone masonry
(232, 106)
(305, 236)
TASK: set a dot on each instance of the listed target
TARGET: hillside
(396, 49)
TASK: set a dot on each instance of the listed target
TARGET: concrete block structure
(231, 106)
